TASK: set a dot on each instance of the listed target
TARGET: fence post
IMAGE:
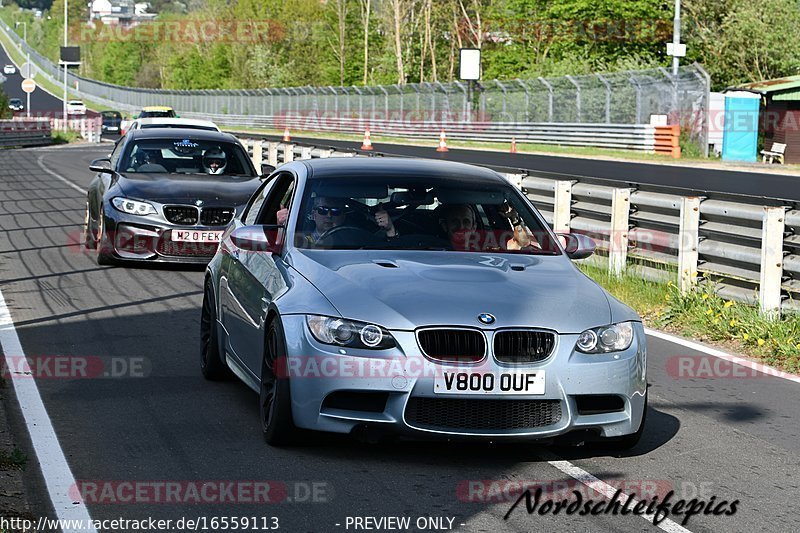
(562, 206)
(272, 154)
(618, 237)
(769, 289)
(288, 153)
(305, 152)
(515, 179)
(258, 153)
(688, 243)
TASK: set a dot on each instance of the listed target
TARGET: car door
(252, 280)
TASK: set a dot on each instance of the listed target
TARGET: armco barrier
(750, 250)
(28, 132)
(642, 137)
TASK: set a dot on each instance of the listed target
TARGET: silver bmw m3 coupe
(418, 297)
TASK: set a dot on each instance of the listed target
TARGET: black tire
(275, 399)
(627, 442)
(89, 241)
(103, 247)
(211, 364)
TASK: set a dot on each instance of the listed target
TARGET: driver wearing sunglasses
(327, 213)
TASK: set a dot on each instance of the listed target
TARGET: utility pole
(66, 20)
(676, 36)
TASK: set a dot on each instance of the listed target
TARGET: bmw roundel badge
(486, 318)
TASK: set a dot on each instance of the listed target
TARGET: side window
(117, 152)
(251, 213)
(279, 198)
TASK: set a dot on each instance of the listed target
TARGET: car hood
(408, 289)
(182, 188)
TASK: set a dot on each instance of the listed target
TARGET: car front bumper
(393, 390)
(148, 239)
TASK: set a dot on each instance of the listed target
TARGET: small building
(779, 120)
(123, 13)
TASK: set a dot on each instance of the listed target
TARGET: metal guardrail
(31, 132)
(751, 250)
(641, 137)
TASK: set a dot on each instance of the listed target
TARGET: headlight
(133, 207)
(342, 332)
(613, 338)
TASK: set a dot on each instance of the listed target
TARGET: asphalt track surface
(43, 104)
(683, 179)
(732, 438)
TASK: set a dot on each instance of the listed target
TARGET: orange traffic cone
(442, 143)
(367, 144)
(513, 145)
(286, 136)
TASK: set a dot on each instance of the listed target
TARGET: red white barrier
(89, 128)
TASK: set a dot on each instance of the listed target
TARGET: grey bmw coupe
(418, 297)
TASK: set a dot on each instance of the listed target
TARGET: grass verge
(64, 137)
(705, 316)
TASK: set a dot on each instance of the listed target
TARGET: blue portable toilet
(740, 133)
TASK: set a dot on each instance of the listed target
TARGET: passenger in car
(459, 222)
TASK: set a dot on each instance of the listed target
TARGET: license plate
(196, 236)
(519, 382)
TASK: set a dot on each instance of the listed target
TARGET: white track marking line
(59, 176)
(758, 367)
(55, 470)
(601, 487)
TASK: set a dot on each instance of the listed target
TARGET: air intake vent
(463, 415)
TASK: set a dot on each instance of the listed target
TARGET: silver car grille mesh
(456, 414)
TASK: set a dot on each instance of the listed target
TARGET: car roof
(364, 166)
(156, 108)
(182, 133)
(176, 121)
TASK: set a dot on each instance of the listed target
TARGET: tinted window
(428, 213)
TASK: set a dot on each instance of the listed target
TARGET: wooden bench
(775, 154)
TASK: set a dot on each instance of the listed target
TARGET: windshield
(111, 114)
(181, 126)
(186, 156)
(424, 213)
(157, 114)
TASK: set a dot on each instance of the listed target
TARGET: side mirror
(266, 169)
(577, 246)
(102, 165)
(258, 239)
